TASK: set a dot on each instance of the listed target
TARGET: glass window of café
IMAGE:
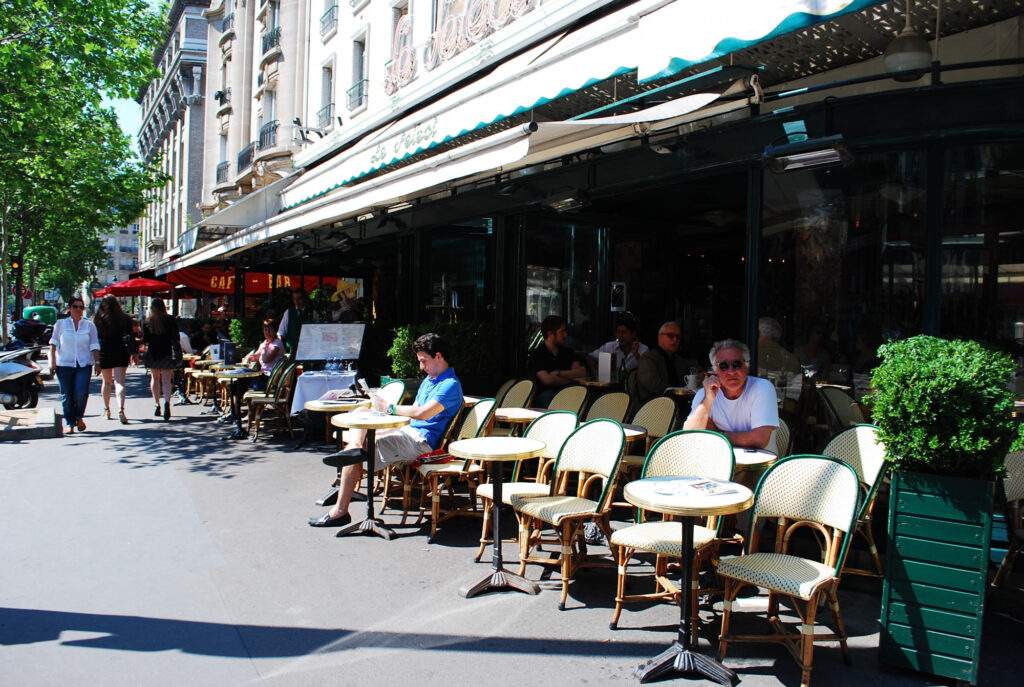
(842, 267)
(457, 272)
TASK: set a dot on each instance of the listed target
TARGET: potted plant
(943, 409)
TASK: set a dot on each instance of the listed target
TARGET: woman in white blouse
(75, 355)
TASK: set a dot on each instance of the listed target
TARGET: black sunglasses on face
(730, 365)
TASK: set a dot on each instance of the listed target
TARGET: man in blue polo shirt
(438, 401)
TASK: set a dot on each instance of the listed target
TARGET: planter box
(936, 568)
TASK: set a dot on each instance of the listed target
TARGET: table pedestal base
(685, 662)
(238, 433)
(330, 498)
(372, 527)
(498, 580)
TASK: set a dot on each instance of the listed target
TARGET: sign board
(325, 341)
(51, 295)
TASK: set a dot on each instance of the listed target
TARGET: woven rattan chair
(570, 398)
(553, 428)
(499, 395)
(280, 404)
(844, 410)
(803, 491)
(592, 452)
(859, 448)
(657, 416)
(685, 453)
(517, 396)
(1013, 487)
(611, 406)
(781, 438)
(454, 470)
(273, 380)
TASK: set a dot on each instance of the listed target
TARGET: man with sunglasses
(741, 407)
(662, 366)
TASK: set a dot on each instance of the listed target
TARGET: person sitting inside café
(741, 407)
(553, 365)
(662, 366)
(438, 401)
(625, 348)
(292, 321)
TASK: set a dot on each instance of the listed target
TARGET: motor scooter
(20, 379)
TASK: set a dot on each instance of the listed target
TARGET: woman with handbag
(74, 352)
(117, 348)
(163, 354)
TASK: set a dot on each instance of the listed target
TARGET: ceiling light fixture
(908, 56)
(808, 154)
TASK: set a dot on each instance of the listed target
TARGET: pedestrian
(74, 353)
(117, 348)
(163, 354)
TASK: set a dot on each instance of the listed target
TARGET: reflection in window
(458, 272)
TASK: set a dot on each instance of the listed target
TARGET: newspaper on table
(684, 486)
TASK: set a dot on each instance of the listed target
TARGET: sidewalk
(160, 554)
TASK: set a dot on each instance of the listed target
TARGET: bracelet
(392, 408)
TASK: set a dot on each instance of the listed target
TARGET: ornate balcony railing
(325, 116)
(271, 39)
(222, 172)
(329, 20)
(456, 31)
(401, 69)
(223, 97)
(357, 94)
(245, 156)
(227, 23)
(268, 135)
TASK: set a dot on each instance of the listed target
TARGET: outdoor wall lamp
(908, 56)
(567, 200)
(808, 154)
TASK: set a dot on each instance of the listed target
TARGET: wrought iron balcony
(268, 135)
(223, 97)
(357, 94)
(329, 20)
(325, 116)
(227, 23)
(222, 172)
(245, 156)
(271, 39)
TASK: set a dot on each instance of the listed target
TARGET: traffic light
(15, 265)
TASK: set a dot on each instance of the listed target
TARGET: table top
(470, 401)
(339, 406)
(679, 391)
(587, 381)
(634, 431)
(753, 456)
(516, 415)
(241, 373)
(678, 496)
(367, 420)
(496, 448)
(204, 363)
(190, 356)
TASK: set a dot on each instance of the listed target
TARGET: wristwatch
(391, 409)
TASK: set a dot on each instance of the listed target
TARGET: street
(158, 553)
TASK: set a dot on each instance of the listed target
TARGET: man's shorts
(399, 446)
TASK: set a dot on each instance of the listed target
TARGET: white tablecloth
(312, 385)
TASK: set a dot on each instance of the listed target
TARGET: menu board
(326, 341)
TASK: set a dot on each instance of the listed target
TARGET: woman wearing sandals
(74, 351)
(163, 354)
(117, 348)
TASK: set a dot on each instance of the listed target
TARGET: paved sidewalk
(160, 554)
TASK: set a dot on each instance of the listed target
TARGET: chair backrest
(859, 448)
(842, 405)
(595, 449)
(610, 406)
(570, 398)
(392, 392)
(286, 383)
(518, 395)
(553, 428)
(499, 395)
(476, 419)
(276, 372)
(781, 437)
(691, 453)
(809, 490)
(1013, 481)
(656, 416)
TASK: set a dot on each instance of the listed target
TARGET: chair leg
(840, 628)
(258, 420)
(732, 588)
(435, 505)
(865, 529)
(1007, 565)
(406, 492)
(567, 530)
(623, 555)
(525, 534)
(484, 540)
(807, 640)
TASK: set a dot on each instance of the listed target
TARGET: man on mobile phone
(741, 407)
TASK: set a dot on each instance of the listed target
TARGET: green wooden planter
(933, 597)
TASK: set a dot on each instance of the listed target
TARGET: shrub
(472, 348)
(246, 332)
(943, 407)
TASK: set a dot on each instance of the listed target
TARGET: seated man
(662, 366)
(625, 348)
(553, 365)
(741, 407)
(438, 401)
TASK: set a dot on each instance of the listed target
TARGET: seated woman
(268, 353)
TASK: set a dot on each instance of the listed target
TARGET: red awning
(222, 281)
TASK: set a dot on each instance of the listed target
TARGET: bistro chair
(611, 406)
(452, 470)
(570, 398)
(1013, 487)
(803, 491)
(859, 448)
(273, 379)
(686, 453)
(392, 392)
(591, 453)
(657, 416)
(781, 438)
(844, 410)
(517, 396)
(279, 404)
(553, 428)
(499, 395)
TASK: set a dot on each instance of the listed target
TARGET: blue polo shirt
(446, 390)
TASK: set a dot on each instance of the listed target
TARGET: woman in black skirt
(163, 353)
(117, 348)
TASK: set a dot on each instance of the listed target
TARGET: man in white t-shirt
(741, 407)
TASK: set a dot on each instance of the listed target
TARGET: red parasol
(140, 286)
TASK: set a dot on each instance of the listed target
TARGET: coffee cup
(692, 381)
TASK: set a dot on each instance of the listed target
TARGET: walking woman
(163, 354)
(117, 348)
(74, 353)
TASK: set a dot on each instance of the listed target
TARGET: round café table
(517, 417)
(371, 422)
(634, 434)
(237, 390)
(333, 408)
(497, 450)
(675, 496)
(753, 458)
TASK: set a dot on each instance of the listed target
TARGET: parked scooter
(20, 379)
(29, 333)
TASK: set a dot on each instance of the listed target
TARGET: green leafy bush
(472, 349)
(246, 332)
(943, 407)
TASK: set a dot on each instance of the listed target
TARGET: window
(358, 92)
(222, 148)
(325, 115)
(273, 15)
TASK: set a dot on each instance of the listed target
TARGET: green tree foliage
(943, 407)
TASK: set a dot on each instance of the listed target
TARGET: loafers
(350, 456)
(326, 520)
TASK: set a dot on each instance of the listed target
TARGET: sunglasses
(730, 365)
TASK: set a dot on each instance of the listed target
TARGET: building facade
(172, 131)
(122, 248)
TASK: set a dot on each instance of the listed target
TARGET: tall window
(327, 85)
(223, 148)
(273, 15)
(359, 59)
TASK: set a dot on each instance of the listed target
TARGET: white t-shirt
(186, 345)
(631, 360)
(755, 407)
